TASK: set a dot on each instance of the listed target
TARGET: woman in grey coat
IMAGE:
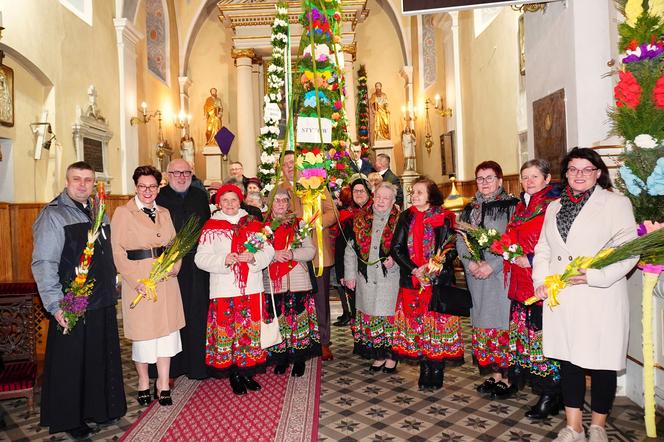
(492, 208)
(377, 285)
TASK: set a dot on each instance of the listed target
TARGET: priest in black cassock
(183, 200)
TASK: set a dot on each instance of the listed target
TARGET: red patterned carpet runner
(286, 409)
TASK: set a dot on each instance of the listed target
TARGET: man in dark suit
(357, 163)
(183, 200)
(383, 168)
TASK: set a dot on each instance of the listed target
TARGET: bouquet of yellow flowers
(649, 247)
(183, 243)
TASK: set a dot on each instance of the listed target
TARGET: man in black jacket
(383, 168)
(182, 201)
(82, 369)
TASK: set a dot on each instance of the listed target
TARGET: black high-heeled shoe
(165, 398)
(390, 370)
(298, 369)
(144, 397)
(376, 368)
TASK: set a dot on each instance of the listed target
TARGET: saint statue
(381, 115)
(213, 113)
(408, 145)
(6, 105)
(187, 149)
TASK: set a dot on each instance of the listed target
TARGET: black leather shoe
(280, 368)
(298, 369)
(144, 397)
(249, 382)
(486, 387)
(425, 376)
(376, 368)
(548, 405)
(81, 433)
(390, 370)
(237, 384)
(342, 322)
(502, 391)
(165, 398)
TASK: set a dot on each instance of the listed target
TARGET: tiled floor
(357, 405)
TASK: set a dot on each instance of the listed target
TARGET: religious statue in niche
(187, 149)
(408, 145)
(214, 110)
(92, 110)
(380, 114)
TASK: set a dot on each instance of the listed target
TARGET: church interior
(123, 83)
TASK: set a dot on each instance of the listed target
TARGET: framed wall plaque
(6, 96)
(550, 130)
(447, 153)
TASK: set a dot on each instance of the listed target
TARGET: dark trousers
(83, 373)
(573, 384)
(322, 301)
(347, 298)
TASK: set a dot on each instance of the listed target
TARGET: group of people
(207, 317)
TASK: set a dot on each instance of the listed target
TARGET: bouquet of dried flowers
(75, 302)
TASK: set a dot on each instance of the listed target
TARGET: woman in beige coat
(141, 229)
(589, 329)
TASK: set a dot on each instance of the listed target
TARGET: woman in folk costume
(141, 230)
(236, 285)
(377, 285)
(527, 361)
(289, 277)
(492, 208)
(360, 198)
(429, 337)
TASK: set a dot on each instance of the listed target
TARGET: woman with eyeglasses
(491, 208)
(421, 334)
(141, 229)
(588, 331)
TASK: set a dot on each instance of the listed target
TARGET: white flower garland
(269, 133)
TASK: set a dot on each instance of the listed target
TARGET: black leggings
(573, 384)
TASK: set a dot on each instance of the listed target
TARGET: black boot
(437, 373)
(425, 376)
(237, 385)
(298, 369)
(548, 405)
(250, 383)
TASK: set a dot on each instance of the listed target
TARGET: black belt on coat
(136, 255)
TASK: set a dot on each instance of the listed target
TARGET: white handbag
(270, 333)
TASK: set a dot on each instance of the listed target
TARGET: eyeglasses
(485, 179)
(359, 191)
(143, 187)
(586, 171)
(179, 173)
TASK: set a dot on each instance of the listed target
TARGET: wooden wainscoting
(16, 220)
(467, 189)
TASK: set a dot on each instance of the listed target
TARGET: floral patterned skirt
(423, 335)
(526, 342)
(372, 335)
(491, 349)
(299, 327)
(233, 335)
